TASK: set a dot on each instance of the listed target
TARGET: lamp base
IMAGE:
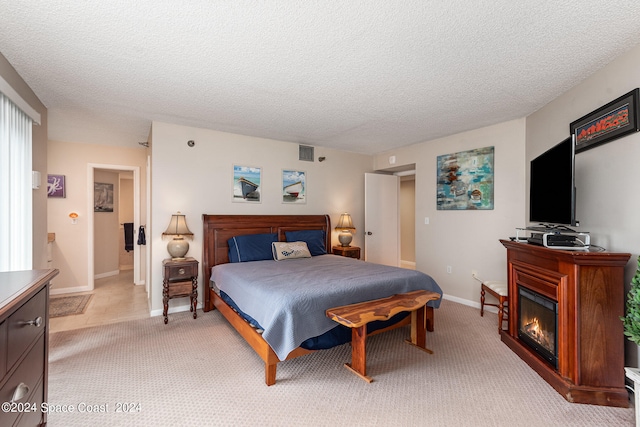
(178, 248)
(345, 239)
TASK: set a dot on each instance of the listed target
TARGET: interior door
(381, 219)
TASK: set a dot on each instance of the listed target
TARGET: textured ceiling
(363, 76)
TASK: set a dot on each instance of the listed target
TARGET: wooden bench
(357, 316)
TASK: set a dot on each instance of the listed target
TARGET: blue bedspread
(289, 298)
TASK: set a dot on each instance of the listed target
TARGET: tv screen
(552, 186)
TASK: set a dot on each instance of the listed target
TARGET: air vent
(305, 153)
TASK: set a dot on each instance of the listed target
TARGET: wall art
(56, 186)
(465, 180)
(612, 121)
(294, 186)
(102, 197)
(247, 184)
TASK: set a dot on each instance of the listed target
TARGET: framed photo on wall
(294, 186)
(56, 186)
(102, 197)
(465, 180)
(247, 184)
(611, 121)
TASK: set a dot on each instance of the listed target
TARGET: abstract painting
(465, 180)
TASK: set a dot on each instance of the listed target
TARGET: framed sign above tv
(612, 121)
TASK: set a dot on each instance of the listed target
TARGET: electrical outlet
(449, 269)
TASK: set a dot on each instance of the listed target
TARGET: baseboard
(54, 291)
(185, 307)
(408, 264)
(176, 309)
(470, 303)
(107, 274)
(126, 267)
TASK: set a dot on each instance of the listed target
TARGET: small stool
(500, 291)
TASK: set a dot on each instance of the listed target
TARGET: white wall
(466, 240)
(199, 180)
(607, 176)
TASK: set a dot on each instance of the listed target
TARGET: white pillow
(289, 250)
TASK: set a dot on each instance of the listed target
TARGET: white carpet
(201, 373)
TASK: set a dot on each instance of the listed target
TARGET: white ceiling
(363, 76)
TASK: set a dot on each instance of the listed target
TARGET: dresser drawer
(30, 373)
(33, 418)
(21, 333)
(181, 272)
(180, 289)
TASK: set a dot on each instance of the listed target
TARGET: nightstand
(180, 279)
(348, 251)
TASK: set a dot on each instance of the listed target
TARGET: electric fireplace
(538, 324)
(564, 319)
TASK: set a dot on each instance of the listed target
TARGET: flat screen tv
(552, 192)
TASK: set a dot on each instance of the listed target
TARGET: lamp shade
(345, 223)
(177, 226)
(345, 227)
(177, 247)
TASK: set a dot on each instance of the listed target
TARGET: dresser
(24, 343)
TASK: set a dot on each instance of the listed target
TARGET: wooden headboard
(220, 228)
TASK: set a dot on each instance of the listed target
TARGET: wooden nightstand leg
(165, 300)
(194, 297)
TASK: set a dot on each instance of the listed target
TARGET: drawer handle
(20, 392)
(181, 271)
(37, 322)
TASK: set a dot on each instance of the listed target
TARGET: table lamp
(345, 228)
(178, 246)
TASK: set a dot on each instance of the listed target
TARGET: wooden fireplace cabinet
(589, 289)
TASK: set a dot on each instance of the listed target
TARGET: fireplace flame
(533, 328)
(535, 331)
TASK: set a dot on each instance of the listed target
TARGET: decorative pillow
(251, 247)
(313, 238)
(290, 250)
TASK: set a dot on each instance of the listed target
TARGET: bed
(235, 305)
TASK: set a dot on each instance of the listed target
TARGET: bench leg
(358, 353)
(418, 330)
(430, 319)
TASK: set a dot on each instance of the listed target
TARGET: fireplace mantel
(589, 289)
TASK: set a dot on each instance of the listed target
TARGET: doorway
(407, 206)
(390, 219)
(92, 170)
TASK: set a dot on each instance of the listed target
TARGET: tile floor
(115, 299)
